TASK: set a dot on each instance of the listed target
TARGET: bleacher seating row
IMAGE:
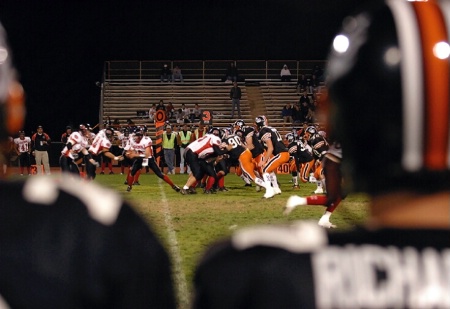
(122, 100)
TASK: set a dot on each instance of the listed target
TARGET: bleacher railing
(209, 69)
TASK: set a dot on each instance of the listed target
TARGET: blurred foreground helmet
(12, 110)
(388, 80)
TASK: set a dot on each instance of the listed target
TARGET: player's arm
(88, 156)
(110, 155)
(268, 153)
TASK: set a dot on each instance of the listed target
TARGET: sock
(295, 180)
(210, 183)
(130, 179)
(273, 178)
(316, 200)
(167, 179)
(136, 177)
(221, 182)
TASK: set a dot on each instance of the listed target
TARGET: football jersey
(144, 143)
(79, 142)
(100, 143)
(319, 146)
(305, 266)
(268, 133)
(203, 146)
(237, 148)
(300, 151)
(65, 243)
(258, 148)
(23, 145)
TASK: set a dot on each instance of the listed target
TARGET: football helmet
(216, 131)
(290, 137)
(12, 107)
(261, 121)
(238, 124)
(388, 77)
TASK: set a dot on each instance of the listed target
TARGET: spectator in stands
(176, 74)
(166, 74)
(170, 110)
(285, 74)
(318, 72)
(196, 113)
(152, 112)
(297, 116)
(301, 84)
(235, 96)
(183, 114)
(304, 109)
(286, 113)
(315, 84)
(160, 106)
(304, 98)
(232, 73)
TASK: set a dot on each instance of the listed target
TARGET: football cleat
(184, 191)
(270, 192)
(257, 188)
(248, 185)
(319, 190)
(223, 189)
(136, 183)
(192, 190)
(295, 187)
(293, 202)
(129, 188)
(176, 188)
(277, 190)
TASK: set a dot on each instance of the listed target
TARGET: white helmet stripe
(412, 83)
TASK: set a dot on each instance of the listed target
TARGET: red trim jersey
(203, 146)
(144, 143)
(100, 143)
(78, 142)
(23, 145)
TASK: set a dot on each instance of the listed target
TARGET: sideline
(179, 276)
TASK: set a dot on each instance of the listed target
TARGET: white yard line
(180, 278)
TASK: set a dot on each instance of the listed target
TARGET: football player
(67, 243)
(195, 155)
(334, 195)
(319, 146)
(275, 155)
(400, 257)
(142, 152)
(76, 151)
(23, 148)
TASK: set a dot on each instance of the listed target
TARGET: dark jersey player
(275, 155)
(65, 243)
(400, 258)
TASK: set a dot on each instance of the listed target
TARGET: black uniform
(70, 244)
(304, 267)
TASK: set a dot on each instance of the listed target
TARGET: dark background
(59, 47)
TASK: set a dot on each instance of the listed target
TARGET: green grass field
(187, 224)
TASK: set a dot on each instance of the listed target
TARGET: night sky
(59, 47)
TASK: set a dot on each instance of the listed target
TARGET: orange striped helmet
(389, 81)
